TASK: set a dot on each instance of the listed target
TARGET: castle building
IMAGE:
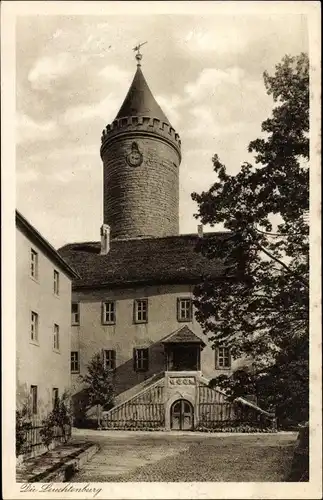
(133, 300)
(43, 326)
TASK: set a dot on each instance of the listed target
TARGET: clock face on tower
(134, 158)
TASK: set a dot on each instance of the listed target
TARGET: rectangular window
(34, 401)
(109, 356)
(56, 337)
(54, 397)
(223, 357)
(75, 362)
(34, 327)
(75, 313)
(184, 309)
(33, 264)
(141, 311)
(140, 358)
(109, 313)
(56, 282)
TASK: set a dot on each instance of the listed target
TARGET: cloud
(210, 79)
(221, 40)
(170, 104)
(48, 69)
(30, 130)
(114, 74)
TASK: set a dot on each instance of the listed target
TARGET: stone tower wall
(141, 200)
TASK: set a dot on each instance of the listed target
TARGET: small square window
(141, 311)
(141, 360)
(75, 313)
(109, 312)
(34, 264)
(34, 399)
(56, 282)
(54, 397)
(75, 362)
(34, 327)
(184, 309)
(223, 357)
(109, 356)
(56, 337)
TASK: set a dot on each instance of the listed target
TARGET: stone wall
(141, 200)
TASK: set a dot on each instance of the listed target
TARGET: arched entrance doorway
(181, 415)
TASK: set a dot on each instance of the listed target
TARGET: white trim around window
(140, 311)
(34, 264)
(109, 312)
(56, 282)
(56, 339)
(34, 327)
(222, 358)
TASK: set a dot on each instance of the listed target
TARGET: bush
(23, 424)
(59, 419)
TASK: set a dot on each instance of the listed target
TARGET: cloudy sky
(73, 72)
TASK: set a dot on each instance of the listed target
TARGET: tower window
(141, 360)
(34, 327)
(223, 358)
(184, 309)
(75, 362)
(56, 282)
(109, 312)
(109, 359)
(141, 311)
(33, 264)
(75, 313)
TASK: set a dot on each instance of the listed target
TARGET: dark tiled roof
(171, 259)
(140, 101)
(183, 335)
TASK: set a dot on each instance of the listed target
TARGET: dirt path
(138, 456)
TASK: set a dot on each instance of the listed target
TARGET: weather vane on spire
(138, 55)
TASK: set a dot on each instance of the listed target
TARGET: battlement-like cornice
(143, 124)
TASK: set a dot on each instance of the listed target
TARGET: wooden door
(181, 415)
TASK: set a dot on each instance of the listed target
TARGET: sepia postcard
(161, 250)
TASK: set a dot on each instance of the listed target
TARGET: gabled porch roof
(183, 335)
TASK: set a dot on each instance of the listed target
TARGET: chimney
(105, 239)
(200, 230)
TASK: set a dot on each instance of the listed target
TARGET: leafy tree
(60, 418)
(264, 313)
(100, 386)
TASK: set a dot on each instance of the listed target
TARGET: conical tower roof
(140, 101)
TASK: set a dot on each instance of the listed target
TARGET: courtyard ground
(193, 457)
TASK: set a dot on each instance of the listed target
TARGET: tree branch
(298, 278)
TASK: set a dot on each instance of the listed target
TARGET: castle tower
(141, 154)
